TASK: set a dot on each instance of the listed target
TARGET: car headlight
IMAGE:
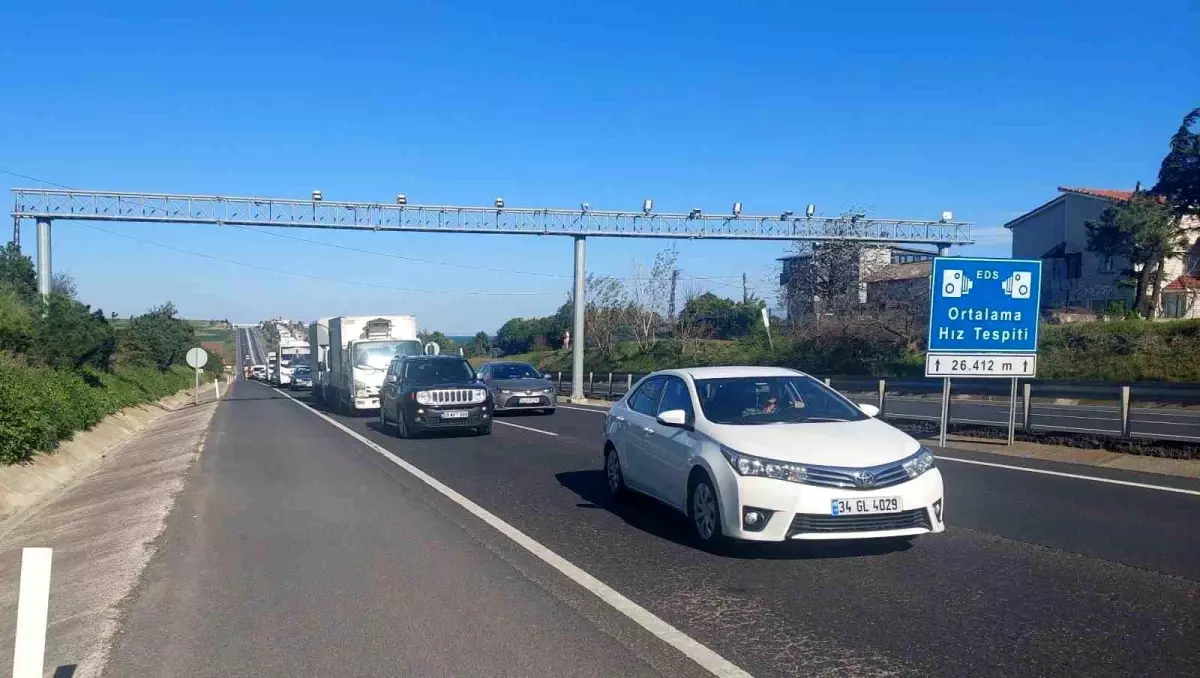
(919, 463)
(747, 465)
(423, 398)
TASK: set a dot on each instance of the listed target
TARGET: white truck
(290, 350)
(318, 357)
(360, 349)
(272, 367)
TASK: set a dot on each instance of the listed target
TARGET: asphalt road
(297, 549)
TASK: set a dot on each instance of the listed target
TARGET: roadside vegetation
(64, 366)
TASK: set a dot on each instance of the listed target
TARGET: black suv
(430, 392)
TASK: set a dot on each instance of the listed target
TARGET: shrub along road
(296, 547)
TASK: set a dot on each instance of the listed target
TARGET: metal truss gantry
(47, 205)
(362, 216)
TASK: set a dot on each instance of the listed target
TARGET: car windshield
(438, 371)
(772, 400)
(514, 371)
(378, 354)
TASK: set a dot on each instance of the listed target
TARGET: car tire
(614, 478)
(704, 513)
(384, 424)
(401, 426)
(549, 412)
(484, 430)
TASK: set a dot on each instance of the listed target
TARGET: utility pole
(671, 305)
(17, 232)
(745, 290)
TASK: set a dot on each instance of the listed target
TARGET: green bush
(40, 406)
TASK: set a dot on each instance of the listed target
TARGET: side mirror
(673, 418)
(479, 376)
(869, 410)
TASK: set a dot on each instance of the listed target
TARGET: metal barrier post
(1126, 425)
(1012, 413)
(882, 398)
(591, 383)
(560, 382)
(1026, 407)
(610, 388)
(827, 382)
(945, 412)
(628, 383)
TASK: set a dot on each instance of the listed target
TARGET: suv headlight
(919, 463)
(747, 465)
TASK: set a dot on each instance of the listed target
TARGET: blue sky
(906, 109)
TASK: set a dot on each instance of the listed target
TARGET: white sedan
(769, 454)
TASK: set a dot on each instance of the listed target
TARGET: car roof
(509, 362)
(732, 372)
(429, 357)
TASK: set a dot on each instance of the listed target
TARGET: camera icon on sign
(1017, 285)
(956, 284)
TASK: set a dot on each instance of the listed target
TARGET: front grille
(810, 523)
(450, 396)
(884, 475)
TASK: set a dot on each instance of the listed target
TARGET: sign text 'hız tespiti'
(984, 305)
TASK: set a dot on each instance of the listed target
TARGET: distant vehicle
(360, 349)
(427, 392)
(258, 372)
(290, 352)
(301, 378)
(769, 454)
(518, 386)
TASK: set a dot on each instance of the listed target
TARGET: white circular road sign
(196, 358)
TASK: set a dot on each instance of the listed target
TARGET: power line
(305, 275)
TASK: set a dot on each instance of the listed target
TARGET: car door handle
(621, 419)
(647, 430)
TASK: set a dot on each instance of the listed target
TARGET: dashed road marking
(527, 428)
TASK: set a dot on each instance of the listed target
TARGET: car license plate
(454, 414)
(847, 507)
(528, 401)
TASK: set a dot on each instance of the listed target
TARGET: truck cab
(360, 350)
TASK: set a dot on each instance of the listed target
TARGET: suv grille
(450, 396)
(809, 523)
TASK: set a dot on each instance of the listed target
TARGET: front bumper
(805, 511)
(512, 401)
(427, 417)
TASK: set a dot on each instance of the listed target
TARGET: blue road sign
(984, 305)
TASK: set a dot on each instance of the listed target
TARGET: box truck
(360, 349)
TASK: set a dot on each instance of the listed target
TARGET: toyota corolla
(769, 454)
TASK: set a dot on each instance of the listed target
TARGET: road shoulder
(102, 528)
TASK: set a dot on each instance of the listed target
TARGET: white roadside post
(196, 359)
(33, 608)
(983, 324)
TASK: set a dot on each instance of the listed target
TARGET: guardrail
(1113, 404)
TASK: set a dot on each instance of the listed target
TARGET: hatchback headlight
(919, 463)
(747, 465)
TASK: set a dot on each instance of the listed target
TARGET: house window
(1174, 305)
(1108, 264)
(1075, 265)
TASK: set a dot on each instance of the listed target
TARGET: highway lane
(1037, 575)
(295, 551)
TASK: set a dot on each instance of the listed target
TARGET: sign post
(196, 359)
(983, 323)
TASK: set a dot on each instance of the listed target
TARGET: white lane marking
(33, 606)
(582, 409)
(1111, 481)
(691, 648)
(527, 428)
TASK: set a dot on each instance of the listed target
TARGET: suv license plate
(454, 414)
(847, 507)
(528, 401)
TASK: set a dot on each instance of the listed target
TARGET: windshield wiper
(823, 419)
